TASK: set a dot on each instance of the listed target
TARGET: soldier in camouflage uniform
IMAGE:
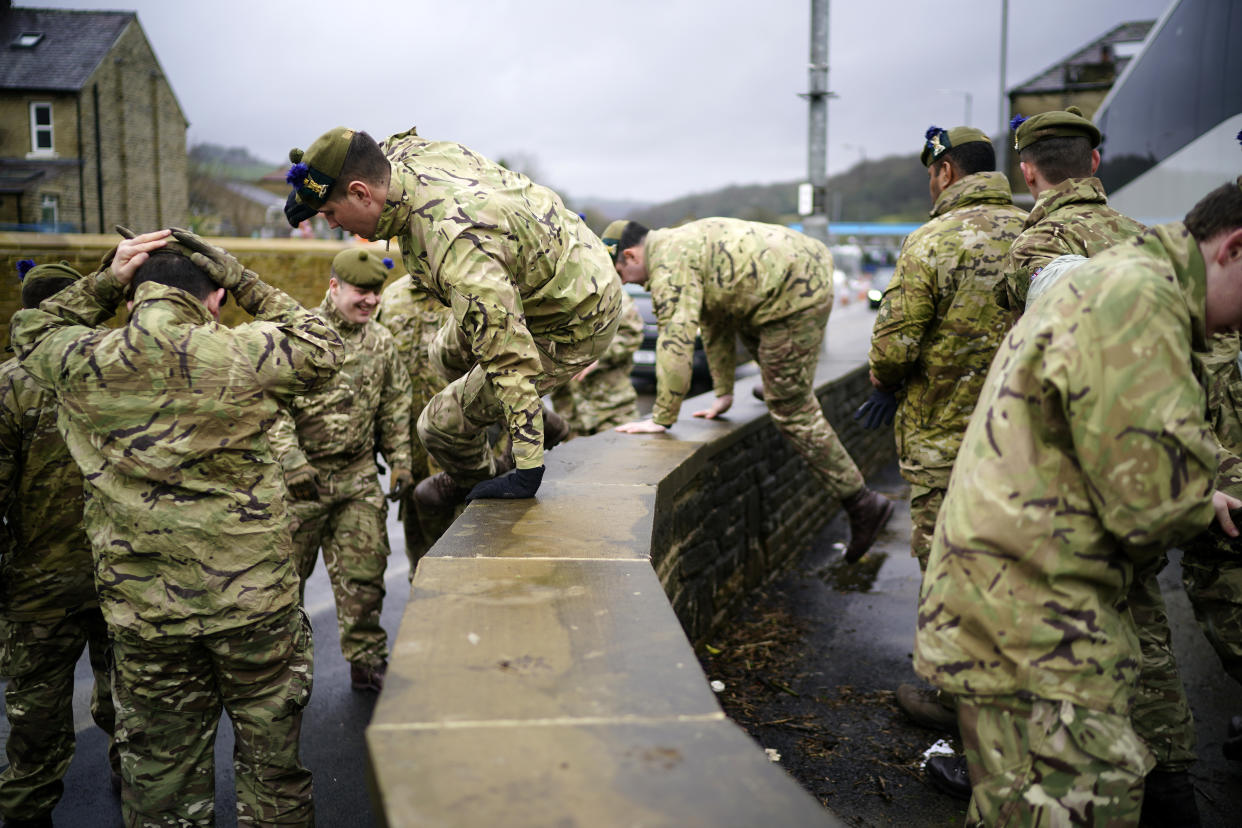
(601, 396)
(326, 441)
(1087, 455)
(937, 330)
(413, 317)
(167, 417)
(772, 287)
(49, 611)
(1071, 216)
(534, 299)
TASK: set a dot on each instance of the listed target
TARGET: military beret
(314, 172)
(361, 268)
(1067, 123)
(612, 236)
(29, 272)
(938, 141)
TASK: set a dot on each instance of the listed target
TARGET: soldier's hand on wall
(518, 483)
(878, 410)
(399, 482)
(303, 483)
(1223, 503)
(723, 403)
(641, 427)
(133, 252)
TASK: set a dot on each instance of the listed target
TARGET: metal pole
(1002, 150)
(816, 224)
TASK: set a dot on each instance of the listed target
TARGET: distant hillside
(235, 163)
(887, 189)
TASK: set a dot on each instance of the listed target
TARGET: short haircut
(174, 270)
(972, 157)
(1220, 211)
(35, 291)
(1060, 158)
(633, 234)
(364, 161)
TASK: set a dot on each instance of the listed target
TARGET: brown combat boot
(362, 677)
(868, 512)
(927, 707)
(756, 391)
(555, 429)
(440, 492)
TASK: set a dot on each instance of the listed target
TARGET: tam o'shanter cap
(314, 172)
(361, 268)
(28, 271)
(1059, 123)
(939, 141)
(612, 236)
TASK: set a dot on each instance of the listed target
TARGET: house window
(49, 210)
(28, 40)
(41, 128)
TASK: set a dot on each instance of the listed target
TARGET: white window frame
(37, 129)
(49, 201)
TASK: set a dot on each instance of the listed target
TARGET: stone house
(1083, 79)
(91, 134)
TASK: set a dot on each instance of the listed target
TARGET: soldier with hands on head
(533, 296)
(1087, 456)
(49, 611)
(772, 287)
(326, 441)
(167, 417)
(936, 332)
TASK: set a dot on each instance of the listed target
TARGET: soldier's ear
(1095, 160)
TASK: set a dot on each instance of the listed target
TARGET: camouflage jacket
(337, 426)
(1072, 217)
(45, 557)
(167, 417)
(1088, 455)
(521, 272)
(939, 324)
(413, 316)
(719, 276)
(626, 340)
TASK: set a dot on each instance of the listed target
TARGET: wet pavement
(809, 667)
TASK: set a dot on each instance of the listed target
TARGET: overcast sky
(639, 99)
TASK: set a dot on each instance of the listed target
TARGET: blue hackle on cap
(1016, 121)
(1239, 136)
(932, 132)
(23, 267)
(388, 263)
(297, 175)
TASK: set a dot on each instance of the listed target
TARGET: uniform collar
(1069, 191)
(976, 188)
(1182, 251)
(152, 297)
(397, 207)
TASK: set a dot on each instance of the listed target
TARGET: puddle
(858, 577)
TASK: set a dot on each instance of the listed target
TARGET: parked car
(879, 282)
(644, 371)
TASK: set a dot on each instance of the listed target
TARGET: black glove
(516, 484)
(878, 409)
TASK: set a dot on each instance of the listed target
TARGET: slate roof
(1054, 78)
(73, 45)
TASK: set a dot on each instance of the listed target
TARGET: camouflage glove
(221, 265)
(400, 481)
(303, 483)
(878, 409)
(519, 483)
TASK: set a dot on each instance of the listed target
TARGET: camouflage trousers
(349, 522)
(453, 426)
(38, 658)
(787, 352)
(925, 505)
(169, 694)
(1213, 580)
(1050, 763)
(1161, 713)
(601, 401)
